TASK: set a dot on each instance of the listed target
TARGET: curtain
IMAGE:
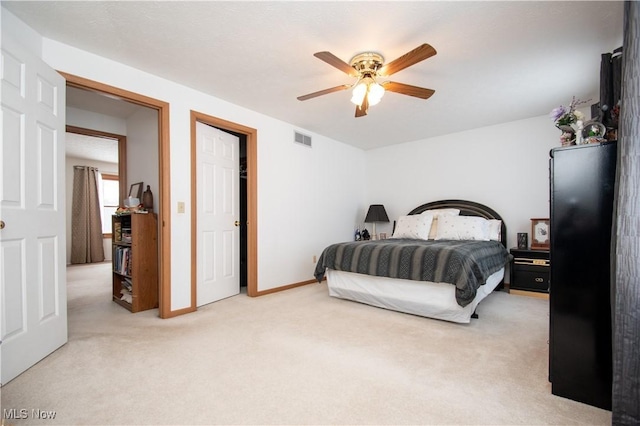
(626, 264)
(86, 225)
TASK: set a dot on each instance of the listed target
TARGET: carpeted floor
(294, 357)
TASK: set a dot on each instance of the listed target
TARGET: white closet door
(218, 204)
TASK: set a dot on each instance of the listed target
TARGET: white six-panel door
(32, 241)
(218, 204)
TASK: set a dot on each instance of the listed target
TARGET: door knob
(1, 224)
(236, 223)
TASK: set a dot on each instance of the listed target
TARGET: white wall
(94, 121)
(306, 197)
(505, 167)
(109, 168)
(142, 151)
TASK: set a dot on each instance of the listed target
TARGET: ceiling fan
(369, 66)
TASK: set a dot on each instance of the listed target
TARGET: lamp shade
(376, 213)
(376, 92)
(358, 93)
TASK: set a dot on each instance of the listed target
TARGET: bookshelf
(135, 260)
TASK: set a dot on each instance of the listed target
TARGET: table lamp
(376, 213)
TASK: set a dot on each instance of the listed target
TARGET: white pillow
(495, 229)
(442, 212)
(415, 226)
(436, 213)
(462, 228)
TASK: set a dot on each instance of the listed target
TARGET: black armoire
(582, 193)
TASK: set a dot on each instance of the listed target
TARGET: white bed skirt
(427, 299)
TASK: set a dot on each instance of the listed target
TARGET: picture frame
(523, 241)
(540, 232)
(136, 190)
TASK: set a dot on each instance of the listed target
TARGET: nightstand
(530, 270)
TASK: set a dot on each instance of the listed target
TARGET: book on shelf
(122, 260)
(117, 231)
(127, 285)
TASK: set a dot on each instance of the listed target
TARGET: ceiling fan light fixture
(358, 92)
(367, 86)
(376, 92)
(368, 66)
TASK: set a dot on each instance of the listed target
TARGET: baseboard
(530, 294)
(285, 287)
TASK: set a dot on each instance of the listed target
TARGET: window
(110, 201)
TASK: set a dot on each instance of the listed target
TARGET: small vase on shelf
(147, 199)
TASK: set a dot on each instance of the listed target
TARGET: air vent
(303, 139)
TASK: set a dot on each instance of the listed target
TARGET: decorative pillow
(462, 228)
(436, 213)
(414, 226)
(495, 229)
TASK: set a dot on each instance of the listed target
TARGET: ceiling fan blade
(418, 54)
(324, 92)
(406, 89)
(361, 110)
(334, 61)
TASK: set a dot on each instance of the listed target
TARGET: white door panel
(218, 209)
(32, 243)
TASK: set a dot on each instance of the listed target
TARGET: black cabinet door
(582, 190)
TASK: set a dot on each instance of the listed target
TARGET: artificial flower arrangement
(569, 120)
(566, 116)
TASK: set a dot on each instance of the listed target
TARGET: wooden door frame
(164, 203)
(252, 199)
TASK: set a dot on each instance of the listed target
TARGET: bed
(443, 259)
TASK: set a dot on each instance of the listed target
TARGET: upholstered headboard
(467, 208)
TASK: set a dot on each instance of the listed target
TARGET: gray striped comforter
(465, 264)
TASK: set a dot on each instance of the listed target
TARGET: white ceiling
(496, 61)
(91, 148)
(99, 103)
